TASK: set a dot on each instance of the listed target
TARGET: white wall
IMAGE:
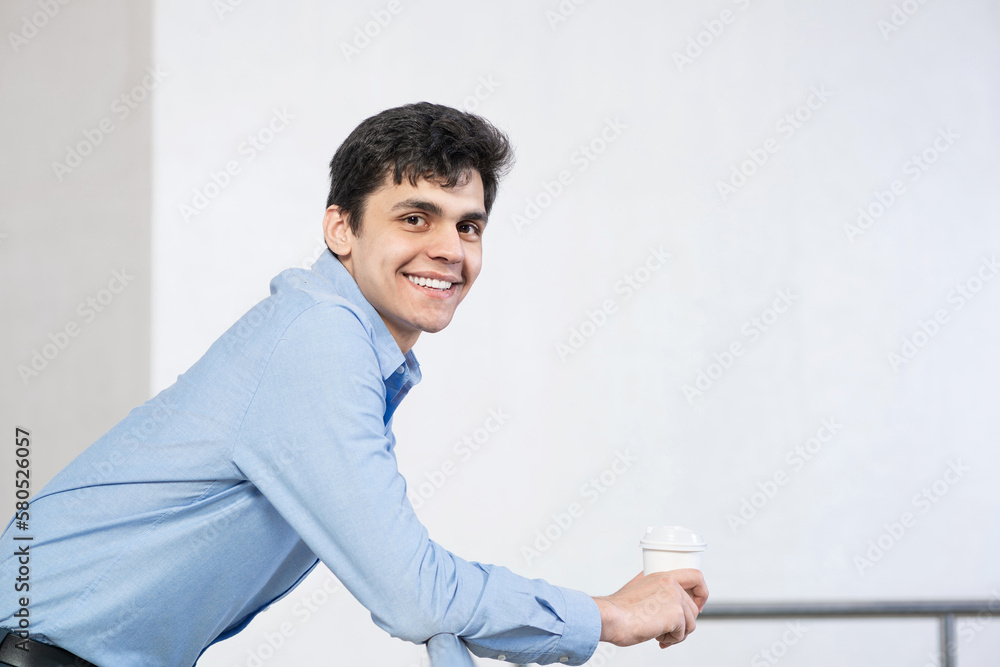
(74, 211)
(887, 97)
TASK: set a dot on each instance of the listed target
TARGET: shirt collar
(390, 358)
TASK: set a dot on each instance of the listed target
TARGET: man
(275, 450)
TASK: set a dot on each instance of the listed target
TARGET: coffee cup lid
(672, 538)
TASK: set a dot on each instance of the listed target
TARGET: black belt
(37, 655)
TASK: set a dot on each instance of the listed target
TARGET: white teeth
(430, 282)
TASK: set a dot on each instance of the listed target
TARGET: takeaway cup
(670, 548)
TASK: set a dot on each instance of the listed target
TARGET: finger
(686, 621)
(679, 631)
(697, 590)
(690, 614)
(666, 639)
(691, 606)
(700, 596)
(694, 609)
(688, 577)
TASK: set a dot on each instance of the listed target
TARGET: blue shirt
(217, 496)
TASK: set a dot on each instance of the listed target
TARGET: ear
(337, 232)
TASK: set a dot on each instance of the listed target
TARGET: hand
(661, 606)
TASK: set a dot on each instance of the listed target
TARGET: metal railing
(946, 611)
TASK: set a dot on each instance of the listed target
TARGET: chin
(434, 327)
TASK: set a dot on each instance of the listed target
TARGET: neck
(404, 341)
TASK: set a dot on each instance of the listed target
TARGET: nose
(444, 243)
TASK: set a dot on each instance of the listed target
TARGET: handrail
(946, 611)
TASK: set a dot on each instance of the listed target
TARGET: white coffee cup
(666, 548)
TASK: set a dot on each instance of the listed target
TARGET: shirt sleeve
(315, 444)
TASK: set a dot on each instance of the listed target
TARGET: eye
(469, 228)
(414, 220)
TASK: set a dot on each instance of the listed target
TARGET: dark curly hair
(415, 141)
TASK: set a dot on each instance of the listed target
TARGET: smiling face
(417, 254)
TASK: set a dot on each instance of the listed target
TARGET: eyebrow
(434, 209)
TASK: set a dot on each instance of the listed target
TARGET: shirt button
(400, 369)
(565, 658)
(501, 657)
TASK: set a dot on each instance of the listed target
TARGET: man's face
(412, 235)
